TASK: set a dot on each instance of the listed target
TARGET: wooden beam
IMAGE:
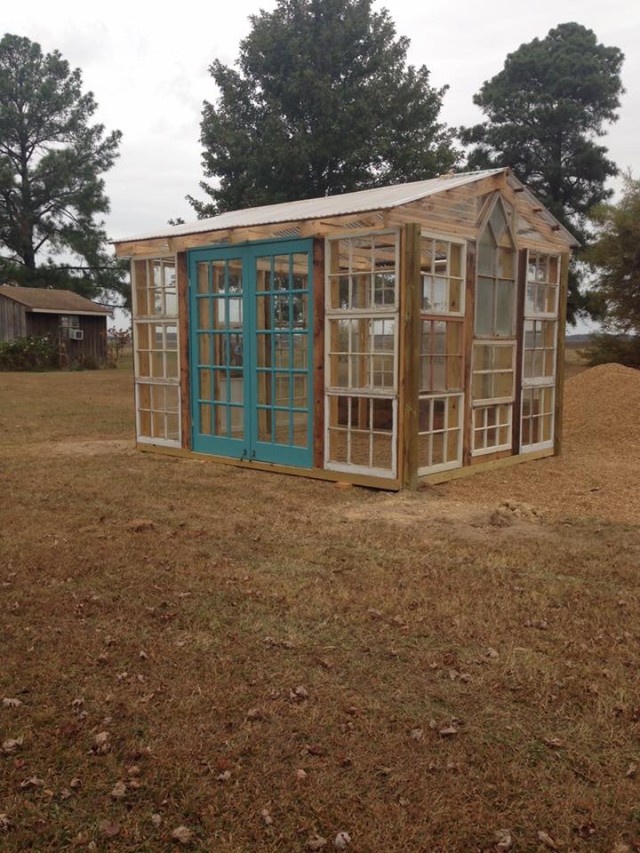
(370, 482)
(521, 289)
(409, 361)
(183, 353)
(317, 300)
(468, 330)
(486, 467)
(560, 352)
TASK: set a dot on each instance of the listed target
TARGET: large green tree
(51, 162)
(615, 259)
(322, 101)
(544, 113)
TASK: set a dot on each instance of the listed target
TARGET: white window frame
(488, 404)
(454, 463)
(373, 313)
(458, 241)
(541, 381)
(157, 319)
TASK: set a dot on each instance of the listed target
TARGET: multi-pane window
(492, 427)
(441, 267)
(441, 378)
(362, 353)
(493, 368)
(493, 371)
(539, 350)
(157, 373)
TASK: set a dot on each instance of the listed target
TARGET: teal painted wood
(271, 371)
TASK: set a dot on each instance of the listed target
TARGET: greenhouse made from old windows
(379, 337)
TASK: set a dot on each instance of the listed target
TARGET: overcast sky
(147, 66)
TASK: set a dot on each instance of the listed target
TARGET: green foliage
(322, 102)
(544, 111)
(31, 354)
(607, 348)
(51, 162)
(615, 259)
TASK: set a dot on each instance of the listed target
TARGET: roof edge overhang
(362, 201)
(107, 312)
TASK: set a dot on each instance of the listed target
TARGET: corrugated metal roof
(54, 301)
(379, 198)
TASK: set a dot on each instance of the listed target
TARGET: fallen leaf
(156, 819)
(316, 842)
(12, 744)
(417, 734)
(134, 770)
(75, 783)
(298, 694)
(119, 791)
(504, 840)
(224, 777)
(301, 774)
(342, 840)
(632, 769)
(266, 817)
(110, 828)
(255, 714)
(182, 835)
(5, 823)
(448, 731)
(554, 742)
(11, 703)
(33, 782)
(101, 743)
(65, 793)
(547, 840)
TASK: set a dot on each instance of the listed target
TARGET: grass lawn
(262, 662)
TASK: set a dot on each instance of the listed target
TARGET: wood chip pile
(602, 410)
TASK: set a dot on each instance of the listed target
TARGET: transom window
(496, 284)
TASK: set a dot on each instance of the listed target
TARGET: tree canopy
(544, 113)
(615, 259)
(322, 101)
(51, 162)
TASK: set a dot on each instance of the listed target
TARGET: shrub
(30, 353)
(605, 348)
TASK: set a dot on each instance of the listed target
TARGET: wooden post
(521, 293)
(562, 323)
(469, 328)
(409, 362)
(182, 277)
(317, 298)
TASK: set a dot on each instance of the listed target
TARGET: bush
(30, 354)
(605, 348)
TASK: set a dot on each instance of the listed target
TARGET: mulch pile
(602, 409)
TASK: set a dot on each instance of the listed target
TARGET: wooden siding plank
(560, 353)
(409, 361)
(182, 276)
(468, 329)
(317, 296)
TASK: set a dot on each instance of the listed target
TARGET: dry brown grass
(178, 606)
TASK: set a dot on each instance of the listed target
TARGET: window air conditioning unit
(76, 334)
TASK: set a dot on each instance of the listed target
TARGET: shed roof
(50, 301)
(378, 198)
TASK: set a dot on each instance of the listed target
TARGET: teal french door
(250, 351)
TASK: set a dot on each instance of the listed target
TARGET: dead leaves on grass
(11, 703)
(182, 835)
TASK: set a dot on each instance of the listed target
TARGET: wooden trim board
(492, 465)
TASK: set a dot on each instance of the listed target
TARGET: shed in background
(78, 323)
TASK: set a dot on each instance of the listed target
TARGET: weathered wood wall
(93, 345)
(12, 320)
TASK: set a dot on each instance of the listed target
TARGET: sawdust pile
(602, 409)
